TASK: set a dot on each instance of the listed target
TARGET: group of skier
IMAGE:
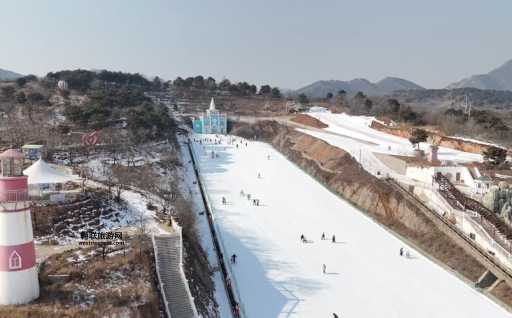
(322, 237)
(404, 252)
(304, 240)
(256, 202)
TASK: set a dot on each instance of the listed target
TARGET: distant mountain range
(385, 86)
(6, 75)
(497, 79)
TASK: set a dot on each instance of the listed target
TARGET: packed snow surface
(277, 275)
(190, 188)
(356, 131)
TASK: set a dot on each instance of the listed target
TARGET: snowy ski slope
(357, 127)
(278, 276)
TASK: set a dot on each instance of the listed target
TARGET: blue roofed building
(210, 122)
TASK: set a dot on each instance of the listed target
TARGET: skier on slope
(323, 236)
(302, 238)
(334, 315)
(401, 251)
(236, 311)
(333, 238)
(259, 175)
(324, 268)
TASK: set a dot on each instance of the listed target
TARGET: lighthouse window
(7, 167)
(18, 167)
(14, 260)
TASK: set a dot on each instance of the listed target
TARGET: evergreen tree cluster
(236, 89)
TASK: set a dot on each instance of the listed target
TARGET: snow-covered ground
(354, 133)
(278, 276)
(137, 215)
(190, 188)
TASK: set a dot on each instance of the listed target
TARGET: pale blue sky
(285, 43)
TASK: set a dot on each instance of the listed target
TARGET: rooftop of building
(418, 162)
(12, 153)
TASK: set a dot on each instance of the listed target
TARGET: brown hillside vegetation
(122, 285)
(338, 171)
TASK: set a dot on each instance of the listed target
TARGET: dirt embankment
(308, 121)
(337, 170)
(444, 141)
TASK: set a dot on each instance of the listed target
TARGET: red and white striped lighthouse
(19, 281)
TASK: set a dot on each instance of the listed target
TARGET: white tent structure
(42, 173)
(42, 177)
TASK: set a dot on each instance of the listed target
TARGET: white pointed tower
(210, 122)
(212, 105)
(19, 281)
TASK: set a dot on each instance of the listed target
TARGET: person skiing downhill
(401, 251)
(334, 315)
(334, 239)
(324, 268)
(302, 238)
(323, 236)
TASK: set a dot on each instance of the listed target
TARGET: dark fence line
(235, 307)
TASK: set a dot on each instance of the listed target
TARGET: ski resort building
(467, 179)
(210, 122)
(19, 282)
(33, 152)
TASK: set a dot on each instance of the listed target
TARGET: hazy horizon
(283, 43)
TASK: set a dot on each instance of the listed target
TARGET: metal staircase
(492, 224)
(169, 267)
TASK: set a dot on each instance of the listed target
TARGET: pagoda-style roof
(11, 153)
